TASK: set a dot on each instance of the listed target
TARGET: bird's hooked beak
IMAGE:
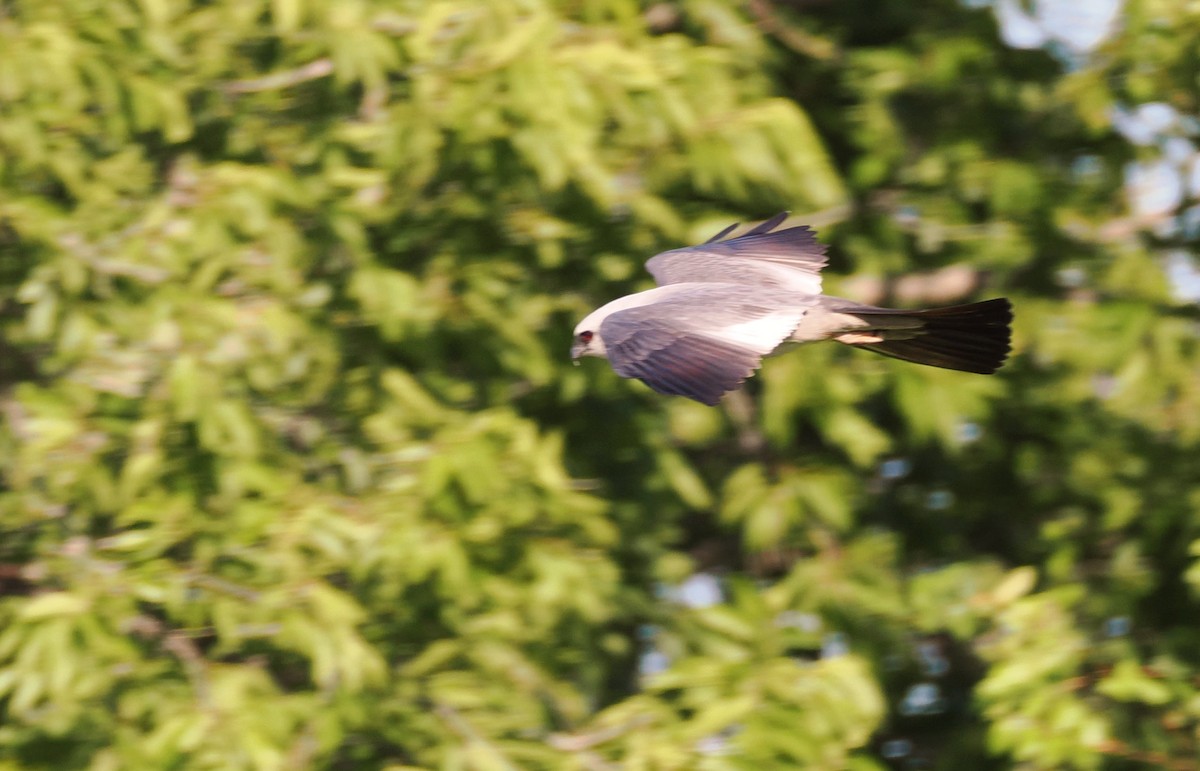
(576, 352)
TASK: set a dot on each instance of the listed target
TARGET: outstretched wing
(700, 343)
(789, 259)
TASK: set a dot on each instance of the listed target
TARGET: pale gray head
(587, 340)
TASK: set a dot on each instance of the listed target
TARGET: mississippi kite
(722, 306)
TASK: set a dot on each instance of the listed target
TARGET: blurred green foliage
(293, 473)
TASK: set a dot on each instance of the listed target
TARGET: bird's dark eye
(585, 337)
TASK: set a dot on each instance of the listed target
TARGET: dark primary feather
(766, 226)
(723, 233)
(754, 257)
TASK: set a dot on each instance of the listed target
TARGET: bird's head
(587, 340)
(586, 343)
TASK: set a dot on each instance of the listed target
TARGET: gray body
(723, 306)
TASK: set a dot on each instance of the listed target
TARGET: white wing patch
(791, 279)
(761, 335)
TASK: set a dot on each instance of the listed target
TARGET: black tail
(969, 338)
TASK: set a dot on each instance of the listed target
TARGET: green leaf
(53, 605)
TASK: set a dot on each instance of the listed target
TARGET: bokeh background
(295, 473)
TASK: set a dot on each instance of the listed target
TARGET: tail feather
(969, 338)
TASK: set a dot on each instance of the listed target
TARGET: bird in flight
(724, 305)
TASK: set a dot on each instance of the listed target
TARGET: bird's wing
(789, 259)
(703, 342)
